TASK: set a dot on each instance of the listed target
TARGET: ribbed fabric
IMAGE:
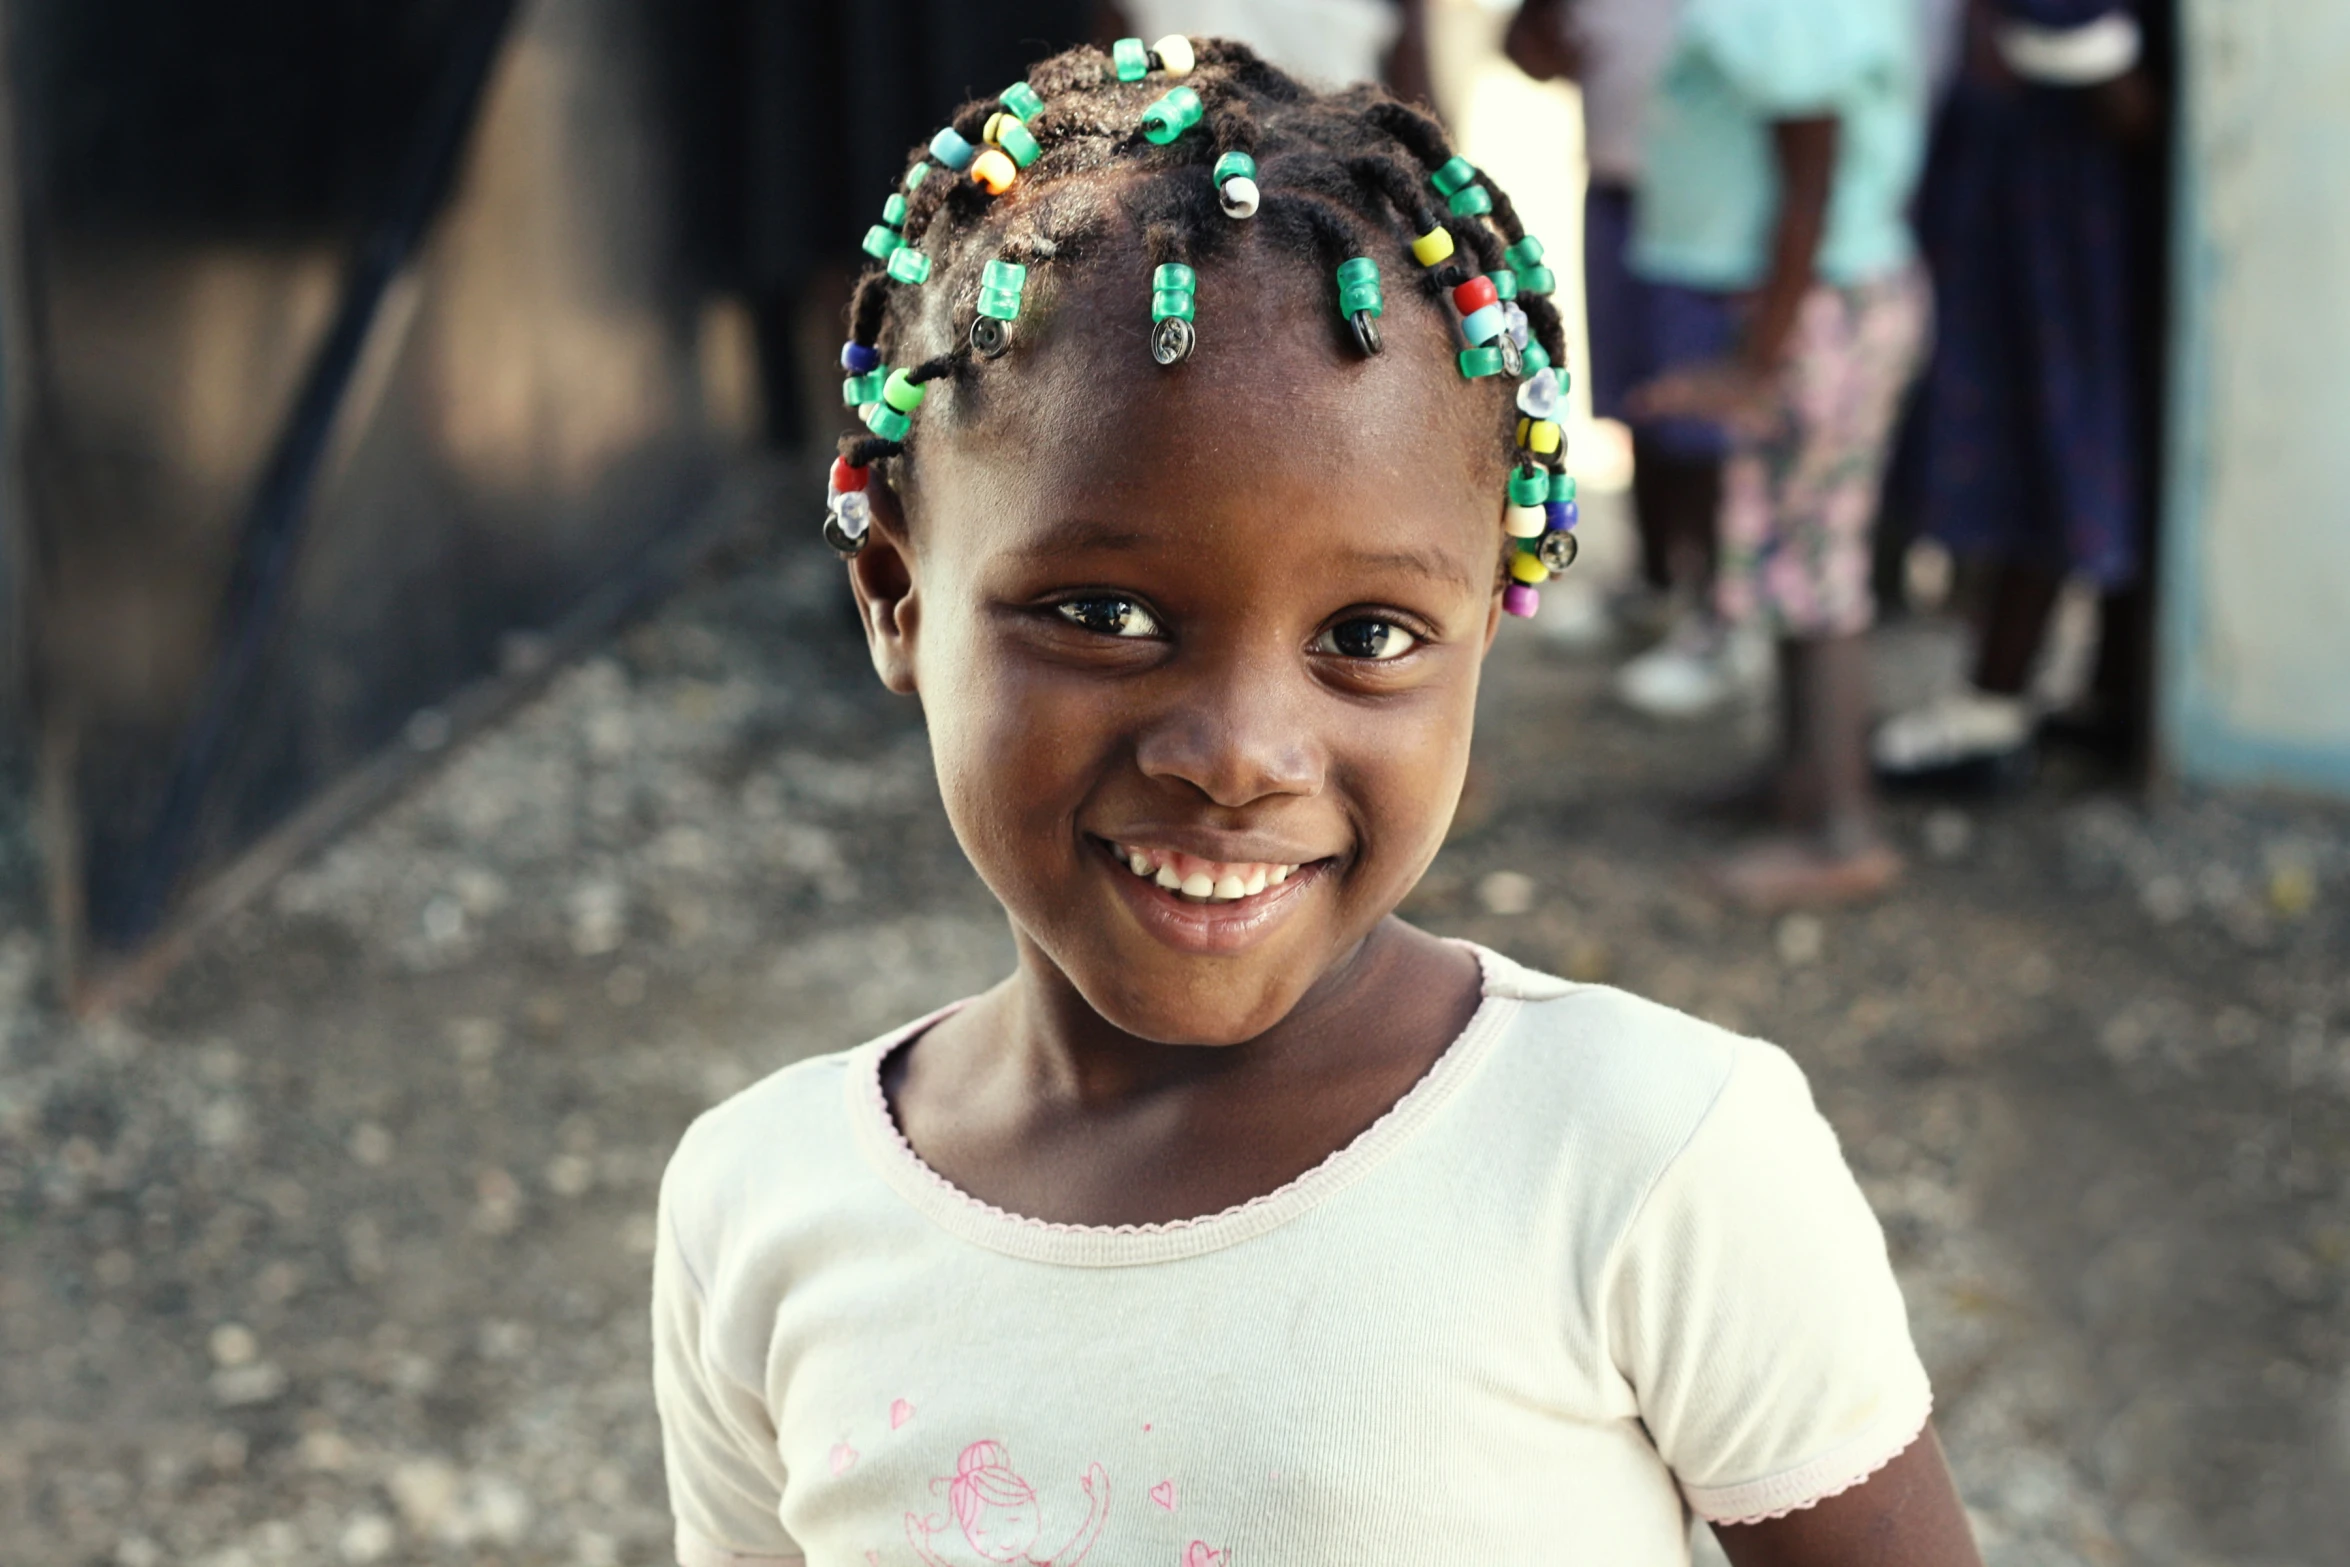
(1601, 1257)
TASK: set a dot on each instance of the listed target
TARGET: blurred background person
(2041, 218)
(1614, 51)
(1779, 159)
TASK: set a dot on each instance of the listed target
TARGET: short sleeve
(717, 1441)
(1754, 1311)
(1792, 58)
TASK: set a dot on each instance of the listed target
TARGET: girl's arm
(1908, 1512)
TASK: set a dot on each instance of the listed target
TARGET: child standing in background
(1213, 438)
(1782, 150)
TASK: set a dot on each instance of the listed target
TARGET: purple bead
(1520, 600)
(857, 359)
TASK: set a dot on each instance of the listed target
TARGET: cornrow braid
(1181, 142)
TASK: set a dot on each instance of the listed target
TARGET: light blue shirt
(1709, 187)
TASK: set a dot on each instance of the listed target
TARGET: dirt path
(336, 1253)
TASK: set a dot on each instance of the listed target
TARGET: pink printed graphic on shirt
(844, 1458)
(1164, 1494)
(999, 1514)
(1199, 1555)
(899, 1413)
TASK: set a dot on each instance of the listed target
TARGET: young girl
(1245, 1223)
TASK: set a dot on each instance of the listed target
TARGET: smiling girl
(1245, 1223)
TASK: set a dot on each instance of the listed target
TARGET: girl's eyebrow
(1437, 566)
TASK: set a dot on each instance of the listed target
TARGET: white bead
(1520, 329)
(1175, 56)
(1523, 522)
(1538, 394)
(1240, 197)
(855, 512)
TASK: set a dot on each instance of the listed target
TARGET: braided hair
(1327, 177)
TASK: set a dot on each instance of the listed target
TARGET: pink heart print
(899, 1413)
(1164, 1494)
(1200, 1556)
(844, 1457)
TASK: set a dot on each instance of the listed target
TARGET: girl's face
(1221, 622)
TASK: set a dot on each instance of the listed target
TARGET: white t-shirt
(1604, 1259)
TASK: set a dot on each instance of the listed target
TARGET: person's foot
(1968, 728)
(1774, 875)
(1697, 669)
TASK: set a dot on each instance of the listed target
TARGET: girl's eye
(1366, 638)
(1110, 616)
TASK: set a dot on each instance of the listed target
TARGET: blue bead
(1556, 515)
(856, 358)
(949, 148)
(1484, 324)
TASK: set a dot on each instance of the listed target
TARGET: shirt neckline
(1505, 986)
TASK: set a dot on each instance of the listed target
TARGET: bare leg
(2015, 623)
(1675, 500)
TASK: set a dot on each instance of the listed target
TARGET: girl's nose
(1238, 734)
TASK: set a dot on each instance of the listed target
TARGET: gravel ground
(336, 1252)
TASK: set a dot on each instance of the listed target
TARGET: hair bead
(1528, 568)
(859, 390)
(1562, 489)
(1520, 600)
(1477, 363)
(1539, 436)
(1175, 54)
(1558, 551)
(1008, 132)
(909, 265)
(1505, 284)
(1524, 522)
(1539, 395)
(856, 358)
(1529, 485)
(1474, 295)
(846, 477)
(1130, 59)
(1177, 110)
(1525, 253)
(949, 148)
(902, 393)
(881, 241)
(1434, 247)
(1174, 304)
(1470, 201)
(1235, 177)
(1022, 99)
(916, 175)
(1000, 286)
(994, 171)
(1457, 174)
(1534, 357)
(1360, 302)
(1536, 280)
(889, 423)
(1483, 325)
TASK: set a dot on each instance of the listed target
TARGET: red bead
(1475, 294)
(846, 478)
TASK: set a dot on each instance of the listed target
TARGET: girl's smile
(1206, 906)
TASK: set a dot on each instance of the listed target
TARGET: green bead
(1022, 100)
(1004, 274)
(1529, 487)
(1505, 283)
(1176, 111)
(1175, 275)
(887, 422)
(1354, 299)
(1471, 201)
(1478, 362)
(1456, 174)
(1001, 303)
(1534, 356)
(1131, 59)
(1167, 302)
(1358, 269)
(908, 265)
(1525, 253)
(1234, 165)
(1014, 139)
(900, 393)
(880, 241)
(917, 174)
(893, 211)
(858, 390)
(1562, 488)
(1536, 279)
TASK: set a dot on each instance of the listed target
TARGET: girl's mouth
(1197, 880)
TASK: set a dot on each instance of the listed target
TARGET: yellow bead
(1523, 522)
(1433, 246)
(993, 135)
(995, 169)
(1175, 56)
(1528, 568)
(1539, 435)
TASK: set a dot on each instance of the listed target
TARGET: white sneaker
(1698, 668)
(1965, 726)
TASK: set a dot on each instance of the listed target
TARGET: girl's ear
(882, 577)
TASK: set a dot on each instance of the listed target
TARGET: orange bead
(995, 169)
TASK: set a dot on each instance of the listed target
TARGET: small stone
(1948, 834)
(425, 1492)
(443, 920)
(233, 1344)
(2166, 900)
(136, 1550)
(599, 918)
(1506, 893)
(242, 1387)
(1801, 939)
(366, 1537)
(570, 1175)
(497, 1207)
(326, 1450)
(115, 1268)
(371, 1145)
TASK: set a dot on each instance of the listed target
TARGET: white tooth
(1256, 882)
(1167, 877)
(1281, 873)
(1138, 862)
(1231, 887)
(1197, 885)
